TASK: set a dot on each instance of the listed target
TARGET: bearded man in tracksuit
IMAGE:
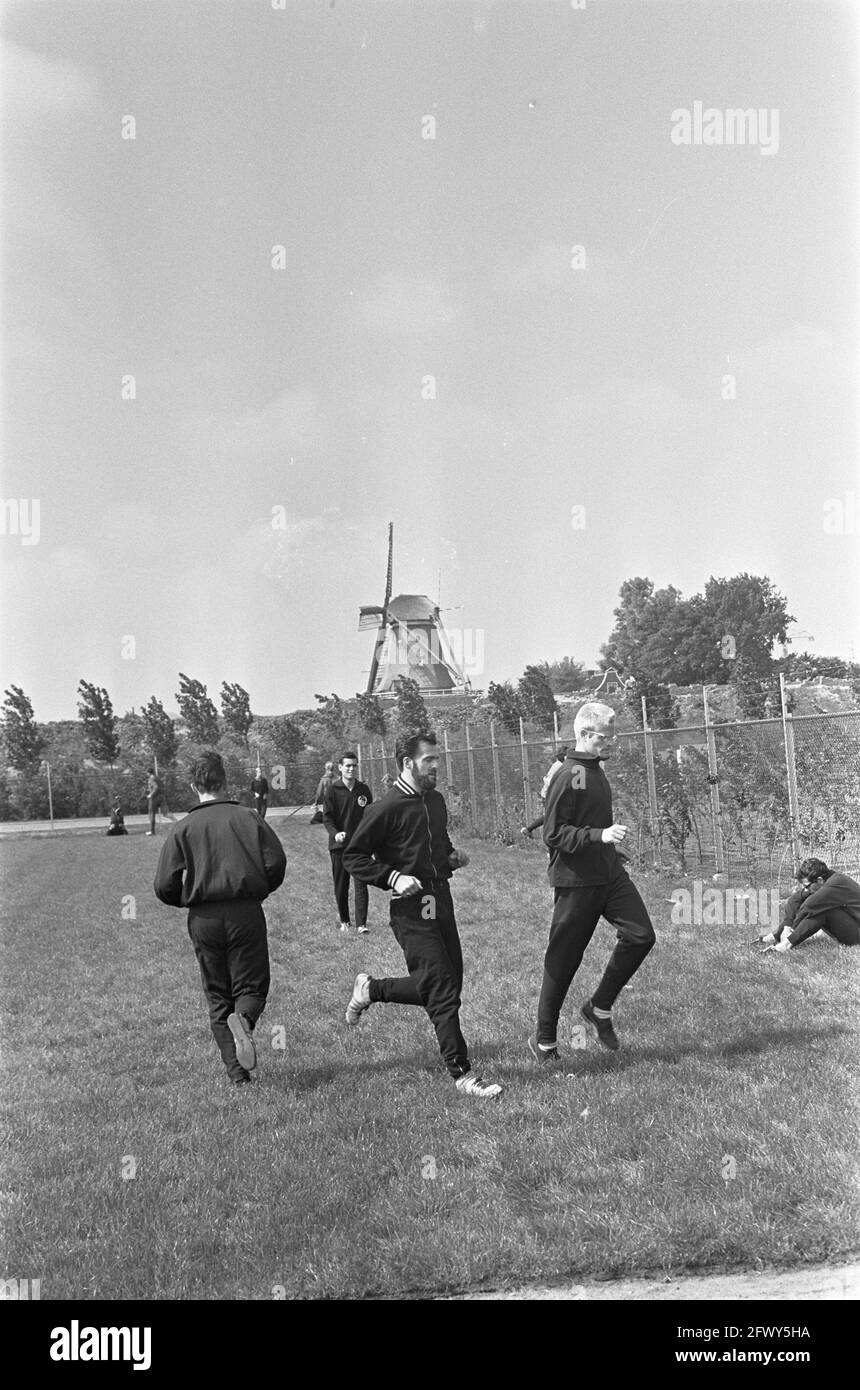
(590, 882)
(825, 901)
(344, 803)
(221, 862)
(402, 844)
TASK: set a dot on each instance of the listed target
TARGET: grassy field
(722, 1134)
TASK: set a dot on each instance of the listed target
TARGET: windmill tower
(411, 641)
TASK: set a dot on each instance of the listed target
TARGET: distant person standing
(260, 793)
(221, 862)
(154, 797)
(343, 808)
(322, 787)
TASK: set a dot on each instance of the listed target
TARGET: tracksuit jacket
(404, 833)
(575, 817)
(803, 912)
(222, 851)
(343, 810)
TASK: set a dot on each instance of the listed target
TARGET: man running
(825, 901)
(590, 882)
(343, 808)
(402, 844)
(220, 863)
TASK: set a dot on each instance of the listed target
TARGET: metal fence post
(524, 763)
(470, 764)
(790, 769)
(653, 812)
(555, 738)
(448, 775)
(497, 780)
(50, 795)
(358, 754)
(713, 777)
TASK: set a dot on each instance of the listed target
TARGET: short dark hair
(207, 773)
(343, 757)
(408, 744)
(813, 868)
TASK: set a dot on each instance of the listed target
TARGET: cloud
(559, 269)
(287, 550)
(290, 421)
(34, 85)
(398, 303)
(805, 355)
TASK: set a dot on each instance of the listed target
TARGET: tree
(21, 735)
(751, 690)
(96, 714)
(159, 733)
(751, 610)
(332, 715)
(285, 737)
(371, 714)
(564, 676)
(197, 710)
(505, 705)
(660, 636)
(536, 697)
(236, 709)
(410, 713)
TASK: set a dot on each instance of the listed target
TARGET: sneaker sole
(246, 1053)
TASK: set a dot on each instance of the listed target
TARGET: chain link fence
(747, 799)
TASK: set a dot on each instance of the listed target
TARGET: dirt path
(816, 1282)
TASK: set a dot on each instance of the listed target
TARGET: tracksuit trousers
(341, 891)
(434, 958)
(232, 949)
(574, 919)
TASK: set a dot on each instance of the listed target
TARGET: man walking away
(402, 844)
(221, 862)
(590, 881)
(343, 808)
(319, 796)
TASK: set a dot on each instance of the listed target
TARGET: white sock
(547, 1047)
(602, 1013)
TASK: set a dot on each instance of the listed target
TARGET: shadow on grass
(311, 1078)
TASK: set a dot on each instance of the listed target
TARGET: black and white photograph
(430, 530)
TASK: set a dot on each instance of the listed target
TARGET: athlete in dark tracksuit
(401, 838)
(830, 902)
(221, 862)
(590, 882)
(343, 808)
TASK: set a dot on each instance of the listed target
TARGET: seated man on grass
(825, 901)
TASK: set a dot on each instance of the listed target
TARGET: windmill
(411, 641)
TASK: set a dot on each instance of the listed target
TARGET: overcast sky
(687, 376)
